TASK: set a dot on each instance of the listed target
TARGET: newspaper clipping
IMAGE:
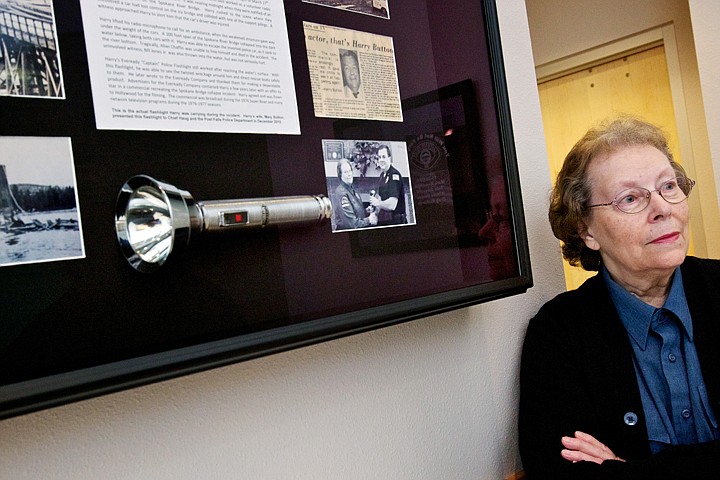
(352, 73)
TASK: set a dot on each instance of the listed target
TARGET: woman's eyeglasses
(636, 199)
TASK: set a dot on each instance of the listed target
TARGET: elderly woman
(621, 377)
(349, 210)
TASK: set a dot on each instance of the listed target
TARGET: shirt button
(685, 413)
(672, 357)
(630, 419)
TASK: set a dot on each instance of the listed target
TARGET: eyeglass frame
(690, 182)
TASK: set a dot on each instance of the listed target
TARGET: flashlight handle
(221, 215)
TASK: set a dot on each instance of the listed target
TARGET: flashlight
(154, 220)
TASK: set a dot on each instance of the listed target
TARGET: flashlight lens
(149, 224)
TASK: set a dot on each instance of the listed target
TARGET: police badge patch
(428, 152)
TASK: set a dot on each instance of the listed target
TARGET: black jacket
(577, 374)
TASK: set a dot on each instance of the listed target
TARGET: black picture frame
(78, 329)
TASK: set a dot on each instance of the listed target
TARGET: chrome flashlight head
(153, 220)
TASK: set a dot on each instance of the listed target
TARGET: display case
(255, 101)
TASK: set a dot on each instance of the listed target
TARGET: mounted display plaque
(391, 130)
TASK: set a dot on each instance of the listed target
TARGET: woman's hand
(586, 448)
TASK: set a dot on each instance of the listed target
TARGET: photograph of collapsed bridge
(29, 57)
(39, 212)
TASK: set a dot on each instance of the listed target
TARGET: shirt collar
(637, 315)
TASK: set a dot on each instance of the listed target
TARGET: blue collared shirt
(675, 402)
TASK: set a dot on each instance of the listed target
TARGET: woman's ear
(585, 233)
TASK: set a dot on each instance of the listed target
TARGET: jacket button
(630, 419)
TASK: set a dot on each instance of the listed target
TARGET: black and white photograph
(39, 211)
(350, 70)
(376, 8)
(370, 185)
(29, 55)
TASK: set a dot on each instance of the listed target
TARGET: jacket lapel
(609, 356)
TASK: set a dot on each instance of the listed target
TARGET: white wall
(564, 27)
(434, 398)
(705, 15)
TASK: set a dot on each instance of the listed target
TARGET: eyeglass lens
(636, 199)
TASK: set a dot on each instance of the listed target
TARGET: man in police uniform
(389, 201)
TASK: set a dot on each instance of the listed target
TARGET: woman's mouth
(667, 238)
